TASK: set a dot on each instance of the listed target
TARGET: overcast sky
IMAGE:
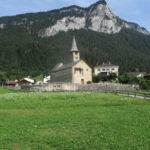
(137, 11)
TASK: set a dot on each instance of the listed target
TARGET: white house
(106, 68)
(26, 81)
(46, 79)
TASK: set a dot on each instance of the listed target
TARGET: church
(77, 71)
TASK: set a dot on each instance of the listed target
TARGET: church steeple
(74, 45)
(74, 51)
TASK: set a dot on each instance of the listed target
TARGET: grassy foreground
(73, 121)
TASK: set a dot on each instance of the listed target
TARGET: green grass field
(86, 121)
(5, 91)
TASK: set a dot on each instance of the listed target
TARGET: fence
(136, 94)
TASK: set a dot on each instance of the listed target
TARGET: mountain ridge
(97, 17)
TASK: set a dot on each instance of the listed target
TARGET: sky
(137, 11)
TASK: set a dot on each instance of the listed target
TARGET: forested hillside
(22, 54)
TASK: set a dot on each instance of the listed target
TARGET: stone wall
(55, 87)
(58, 87)
(111, 87)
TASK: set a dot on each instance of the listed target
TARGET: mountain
(31, 44)
(98, 17)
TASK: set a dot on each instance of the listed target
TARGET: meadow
(90, 121)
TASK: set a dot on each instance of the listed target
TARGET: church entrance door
(82, 81)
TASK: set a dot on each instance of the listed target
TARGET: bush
(96, 79)
(3, 78)
(104, 77)
(144, 84)
(128, 79)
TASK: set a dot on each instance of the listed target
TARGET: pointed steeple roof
(74, 45)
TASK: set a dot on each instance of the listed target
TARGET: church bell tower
(74, 51)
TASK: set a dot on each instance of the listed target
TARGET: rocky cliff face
(98, 17)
